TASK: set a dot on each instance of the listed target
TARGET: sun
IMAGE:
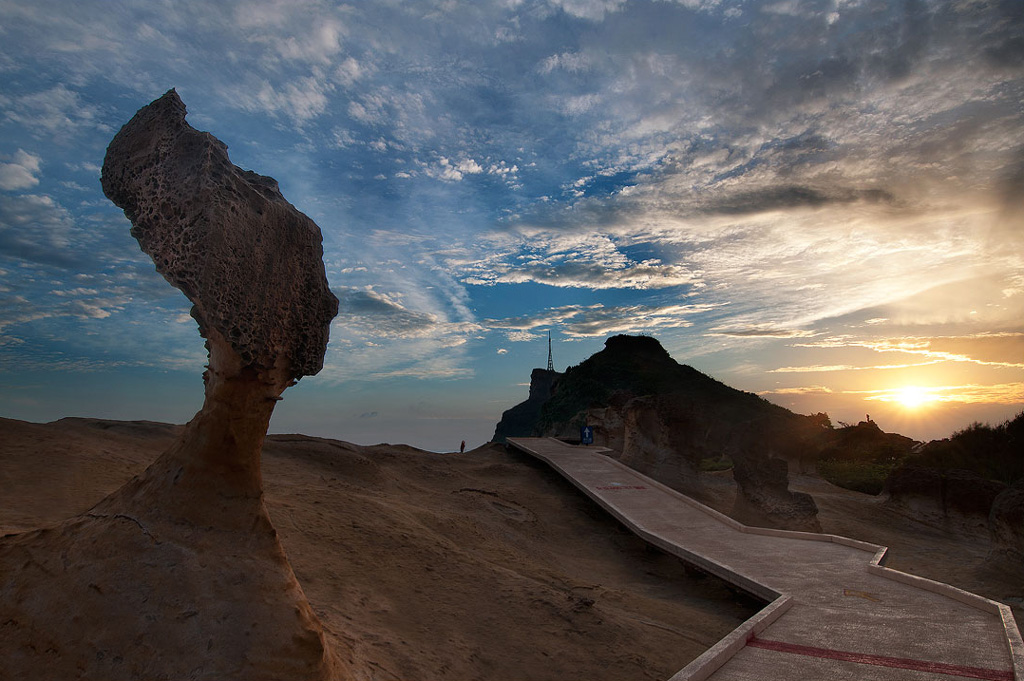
(913, 397)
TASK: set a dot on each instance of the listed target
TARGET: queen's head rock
(249, 261)
(180, 573)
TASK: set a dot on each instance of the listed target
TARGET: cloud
(793, 197)
(21, 172)
(572, 260)
(1003, 393)
(828, 368)
(37, 229)
(644, 275)
(571, 62)
(445, 169)
(588, 321)
(593, 10)
(805, 390)
(759, 331)
(381, 314)
(58, 111)
(995, 349)
(301, 99)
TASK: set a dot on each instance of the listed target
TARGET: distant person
(462, 447)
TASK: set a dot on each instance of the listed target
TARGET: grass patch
(715, 463)
(859, 476)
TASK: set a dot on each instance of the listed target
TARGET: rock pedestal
(179, 574)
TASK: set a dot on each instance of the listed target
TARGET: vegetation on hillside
(862, 457)
(993, 452)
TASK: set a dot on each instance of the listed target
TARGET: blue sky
(821, 202)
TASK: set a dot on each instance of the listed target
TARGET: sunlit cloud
(1005, 393)
(597, 320)
(759, 331)
(800, 390)
(991, 347)
(829, 368)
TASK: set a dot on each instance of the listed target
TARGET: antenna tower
(551, 365)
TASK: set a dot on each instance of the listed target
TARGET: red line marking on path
(883, 661)
(614, 487)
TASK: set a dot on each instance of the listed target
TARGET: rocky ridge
(664, 418)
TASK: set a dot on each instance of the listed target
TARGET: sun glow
(913, 397)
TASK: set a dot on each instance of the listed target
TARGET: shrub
(859, 476)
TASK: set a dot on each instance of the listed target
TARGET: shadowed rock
(1006, 521)
(662, 418)
(765, 497)
(519, 420)
(952, 498)
(180, 574)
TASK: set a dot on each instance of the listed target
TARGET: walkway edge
(716, 656)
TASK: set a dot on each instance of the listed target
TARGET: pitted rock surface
(180, 573)
(251, 263)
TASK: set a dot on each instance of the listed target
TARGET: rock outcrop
(180, 574)
(654, 437)
(1006, 521)
(954, 499)
(663, 418)
(765, 497)
(519, 421)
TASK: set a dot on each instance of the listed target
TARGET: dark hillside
(634, 366)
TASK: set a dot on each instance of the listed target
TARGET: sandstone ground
(421, 565)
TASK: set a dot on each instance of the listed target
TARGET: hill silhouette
(665, 418)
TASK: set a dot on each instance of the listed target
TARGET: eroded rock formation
(663, 418)
(180, 574)
(765, 497)
(520, 419)
(951, 498)
(655, 441)
(1006, 521)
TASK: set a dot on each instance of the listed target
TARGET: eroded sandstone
(180, 574)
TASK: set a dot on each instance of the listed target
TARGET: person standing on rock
(462, 447)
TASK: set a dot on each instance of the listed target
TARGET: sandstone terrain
(484, 565)
(419, 566)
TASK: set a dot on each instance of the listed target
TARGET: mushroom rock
(180, 574)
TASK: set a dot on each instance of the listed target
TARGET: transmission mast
(551, 364)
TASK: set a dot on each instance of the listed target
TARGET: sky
(821, 202)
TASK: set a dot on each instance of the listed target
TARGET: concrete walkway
(834, 611)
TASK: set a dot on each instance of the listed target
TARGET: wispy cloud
(759, 331)
(799, 390)
(1004, 393)
(58, 111)
(588, 321)
(996, 349)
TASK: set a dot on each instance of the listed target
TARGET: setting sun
(913, 397)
